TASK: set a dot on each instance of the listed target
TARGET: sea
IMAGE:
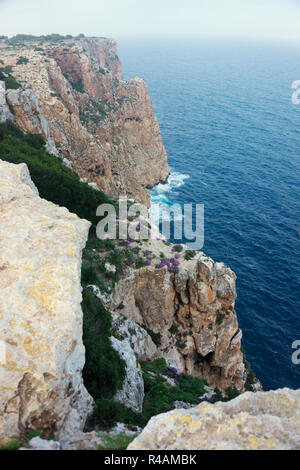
(232, 134)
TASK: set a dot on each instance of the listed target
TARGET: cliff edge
(73, 94)
(40, 312)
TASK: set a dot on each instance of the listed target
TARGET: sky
(272, 20)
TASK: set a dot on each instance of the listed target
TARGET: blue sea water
(233, 139)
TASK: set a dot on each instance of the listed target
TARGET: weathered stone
(140, 340)
(106, 127)
(4, 108)
(40, 311)
(192, 310)
(41, 444)
(132, 391)
(262, 420)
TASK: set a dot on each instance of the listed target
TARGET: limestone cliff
(166, 301)
(40, 312)
(189, 301)
(73, 94)
(252, 421)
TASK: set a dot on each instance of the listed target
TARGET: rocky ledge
(252, 421)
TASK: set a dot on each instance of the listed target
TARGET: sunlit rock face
(192, 309)
(104, 126)
(40, 313)
(262, 420)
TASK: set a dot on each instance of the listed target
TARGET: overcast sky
(255, 19)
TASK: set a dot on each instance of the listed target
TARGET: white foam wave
(175, 180)
(159, 195)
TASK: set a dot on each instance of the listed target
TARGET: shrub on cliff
(22, 60)
(55, 182)
(10, 81)
(104, 370)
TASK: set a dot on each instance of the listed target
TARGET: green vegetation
(22, 60)
(159, 396)
(55, 182)
(156, 337)
(220, 318)
(231, 392)
(189, 254)
(77, 85)
(118, 442)
(104, 370)
(33, 434)
(251, 377)
(19, 38)
(10, 81)
(14, 444)
(174, 329)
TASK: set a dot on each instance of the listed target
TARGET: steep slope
(40, 312)
(76, 98)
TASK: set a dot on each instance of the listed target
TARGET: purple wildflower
(148, 262)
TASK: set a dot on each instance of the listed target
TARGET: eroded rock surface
(262, 420)
(192, 309)
(73, 94)
(40, 311)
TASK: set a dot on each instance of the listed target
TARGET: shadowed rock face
(262, 420)
(40, 312)
(105, 126)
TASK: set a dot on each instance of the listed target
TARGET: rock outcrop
(262, 420)
(40, 311)
(4, 108)
(73, 94)
(191, 308)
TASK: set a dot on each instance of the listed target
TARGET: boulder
(41, 385)
(259, 421)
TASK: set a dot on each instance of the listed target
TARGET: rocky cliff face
(260, 421)
(167, 302)
(73, 94)
(40, 312)
(190, 304)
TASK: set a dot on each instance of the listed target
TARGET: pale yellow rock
(40, 313)
(252, 421)
(192, 310)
